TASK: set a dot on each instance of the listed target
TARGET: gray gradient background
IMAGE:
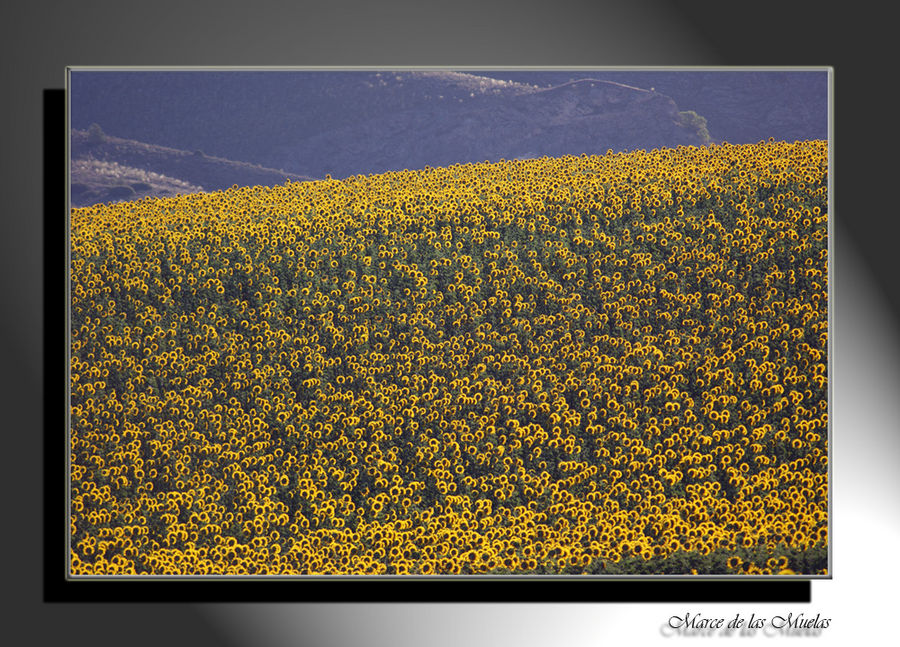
(40, 38)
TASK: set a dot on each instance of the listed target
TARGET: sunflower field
(611, 364)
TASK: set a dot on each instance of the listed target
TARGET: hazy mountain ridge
(741, 107)
(94, 181)
(245, 115)
(108, 169)
(587, 116)
(345, 123)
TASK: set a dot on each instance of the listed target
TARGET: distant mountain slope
(512, 120)
(345, 123)
(94, 181)
(107, 169)
(740, 106)
(244, 114)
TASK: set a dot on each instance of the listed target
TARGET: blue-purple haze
(349, 122)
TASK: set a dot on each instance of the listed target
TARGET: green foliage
(696, 123)
(96, 135)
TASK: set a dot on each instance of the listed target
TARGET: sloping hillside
(346, 123)
(501, 122)
(107, 169)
